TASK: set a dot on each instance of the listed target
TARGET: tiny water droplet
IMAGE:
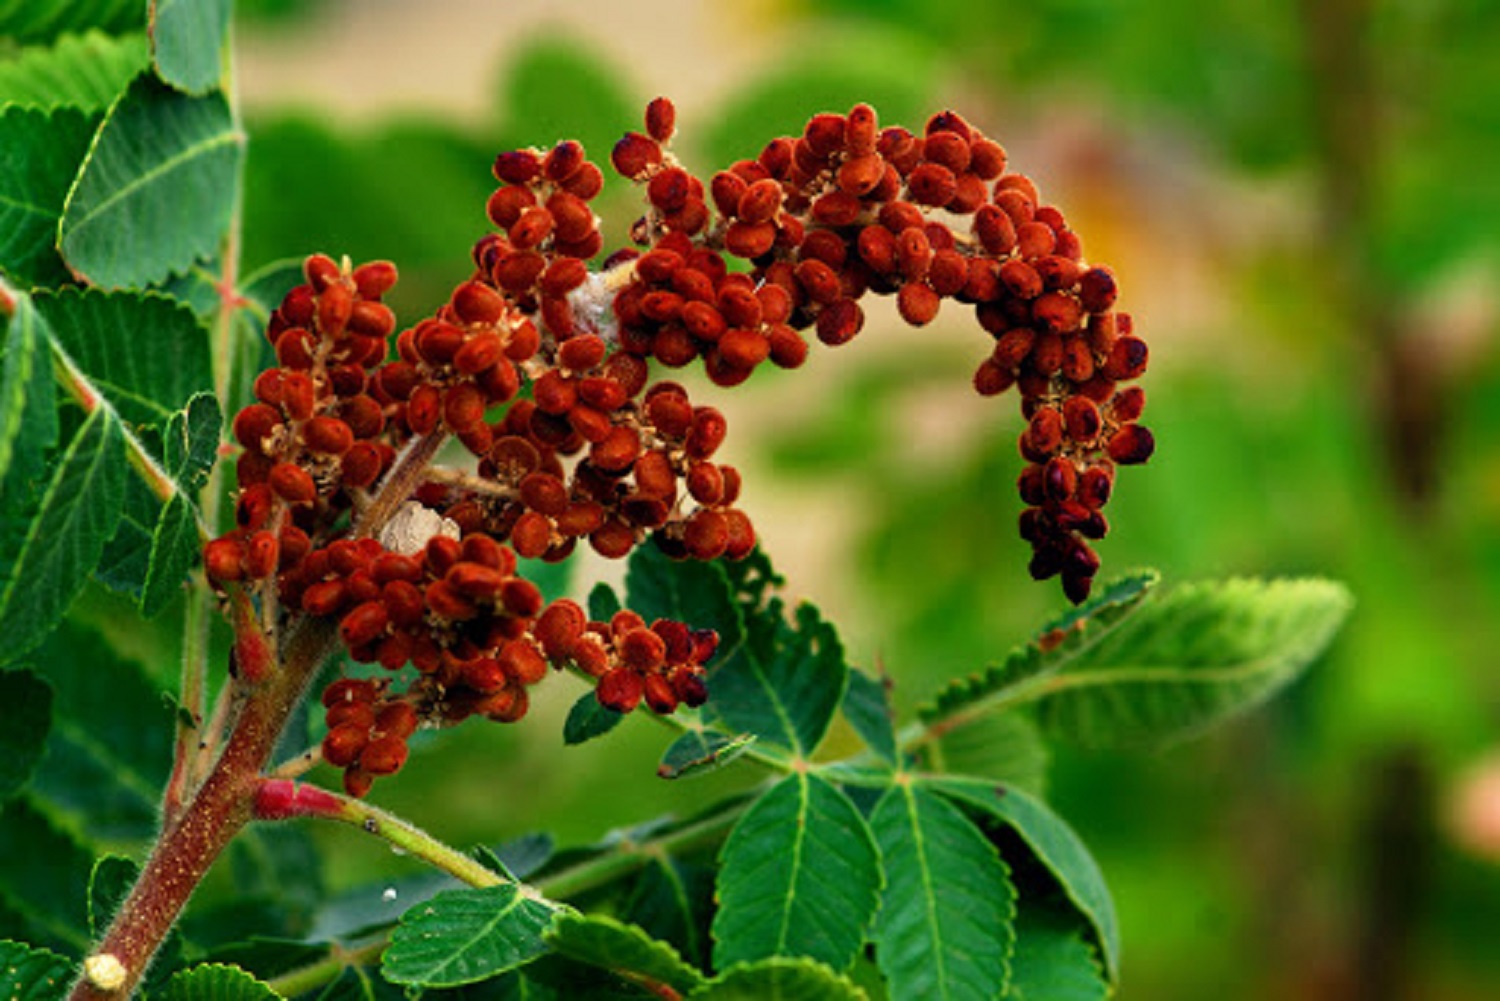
(389, 894)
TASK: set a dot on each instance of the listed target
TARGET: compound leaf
(799, 876)
(1193, 657)
(464, 936)
(946, 924)
(157, 188)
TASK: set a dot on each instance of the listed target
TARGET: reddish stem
(216, 813)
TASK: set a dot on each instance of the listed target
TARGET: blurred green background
(1300, 199)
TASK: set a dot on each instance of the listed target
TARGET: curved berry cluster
(541, 368)
(849, 208)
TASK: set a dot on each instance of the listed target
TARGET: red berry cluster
(848, 208)
(592, 449)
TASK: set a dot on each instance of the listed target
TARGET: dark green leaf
(174, 551)
(31, 21)
(187, 38)
(250, 352)
(278, 863)
(1052, 962)
(671, 898)
(588, 719)
(25, 718)
(867, 707)
(214, 982)
(1056, 645)
(28, 406)
(690, 591)
(945, 929)
(526, 854)
(699, 751)
(111, 879)
(39, 154)
(190, 443)
(779, 979)
(144, 353)
(63, 543)
(1055, 846)
(1195, 656)
(359, 983)
(552, 579)
(603, 602)
(110, 748)
(624, 950)
(48, 891)
(86, 71)
(127, 556)
(799, 876)
(28, 974)
(464, 936)
(157, 188)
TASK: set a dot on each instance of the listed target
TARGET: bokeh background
(1301, 200)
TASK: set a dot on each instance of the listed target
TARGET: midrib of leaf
(74, 509)
(82, 222)
(773, 697)
(929, 886)
(480, 933)
(804, 798)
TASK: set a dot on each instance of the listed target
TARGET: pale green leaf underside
(464, 936)
(157, 189)
(1196, 655)
(86, 71)
(1055, 845)
(700, 751)
(799, 876)
(945, 929)
(187, 39)
(624, 950)
(780, 980)
(75, 519)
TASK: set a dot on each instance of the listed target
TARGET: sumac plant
(372, 507)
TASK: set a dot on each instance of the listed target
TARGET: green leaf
(780, 979)
(30, 21)
(216, 982)
(785, 682)
(690, 591)
(26, 712)
(1002, 747)
(66, 537)
(1052, 962)
(799, 876)
(670, 899)
(111, 879)
(588, 719)
(603, 602)
(190, 444)
(157, 188)
(28, 406)
(1196, 656)
(28, 974)
(945, 929)
(110, 748)
(49, 890)
(1056, 645)
(359, 983)
(700, 751)
(1055, 845)
(867, 707)
(623, 949)
(187, 40)
(86, 71)
(464, 936)
(127, 557)
(145, 354)
(174, 551)
(39, 155)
